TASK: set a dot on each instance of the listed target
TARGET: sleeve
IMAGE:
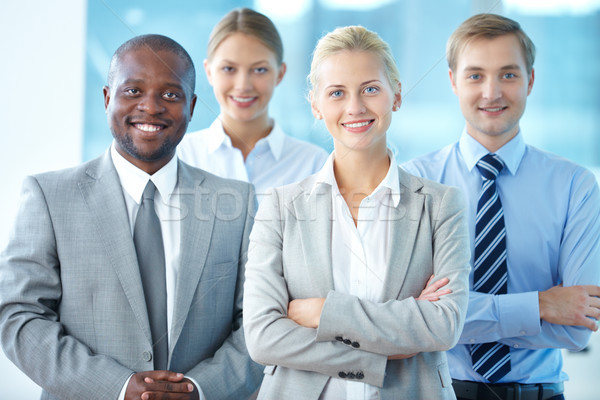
(408, 326)
(30, 294)
(578, 264)
(213, 376)
(274, 339)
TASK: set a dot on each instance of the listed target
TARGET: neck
(360, 171)
(245, 134)
(493, 142)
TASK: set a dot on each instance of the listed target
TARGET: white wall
(41, 112)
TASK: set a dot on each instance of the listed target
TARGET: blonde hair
(249, 22)
(354, 38)
(488, 26)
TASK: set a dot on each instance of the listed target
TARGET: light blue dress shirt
(552, 216)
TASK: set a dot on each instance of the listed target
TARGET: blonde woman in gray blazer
(334, 303)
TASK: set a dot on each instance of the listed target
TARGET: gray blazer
(72, 309)
(290, 258)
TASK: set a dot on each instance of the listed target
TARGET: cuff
(519, 314)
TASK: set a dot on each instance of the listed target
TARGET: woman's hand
(306, 312)
(433, 291)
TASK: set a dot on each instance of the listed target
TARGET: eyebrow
(225, 61)
(503, 68)
(362, 84)
(140, 81)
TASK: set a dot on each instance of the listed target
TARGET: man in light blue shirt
(551, 211)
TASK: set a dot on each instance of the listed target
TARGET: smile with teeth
(492, 109)
(148, 127)
(357, 124)
(243, 99)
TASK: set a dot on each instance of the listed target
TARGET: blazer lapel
(103, 194)
(196, 229)
(313, 213)
(405, 219)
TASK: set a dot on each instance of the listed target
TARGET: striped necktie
(491, 360)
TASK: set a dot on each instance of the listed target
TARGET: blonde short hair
(353, 38)
(488, 26)
(249, 22)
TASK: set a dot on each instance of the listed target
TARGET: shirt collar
(389, 184)
(134, 180)
(511, 153)
(217, 138)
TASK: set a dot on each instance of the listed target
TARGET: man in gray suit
(74, 303)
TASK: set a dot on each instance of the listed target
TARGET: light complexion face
(355, 99)
(492, 86)
(243, 73)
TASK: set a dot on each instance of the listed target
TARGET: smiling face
(355, 98)
(243, 73)
(492, 85)
(149, 106)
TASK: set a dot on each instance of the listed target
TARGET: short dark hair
(155, 43)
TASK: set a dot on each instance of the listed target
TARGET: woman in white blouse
(334, 298)
(244, 65)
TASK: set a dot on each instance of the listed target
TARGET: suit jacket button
(351, 375)
(347, 341)
(360, 375)
(356, 345)
(339, 338)
(146, 356)
(342, 374)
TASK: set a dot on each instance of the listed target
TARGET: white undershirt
(359, 256)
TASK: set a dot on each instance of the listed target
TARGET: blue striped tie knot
(490, 166)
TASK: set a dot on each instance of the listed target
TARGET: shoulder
(556, 169)
(435, 194)
(430, 165)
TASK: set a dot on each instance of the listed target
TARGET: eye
(227, 69)
(371, 90)
(474, 77)
(132, 91)
(336, 93)
(260, 70)
(171, 96)
(509, 75)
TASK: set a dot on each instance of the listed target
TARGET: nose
(151, 104)
(492, 90)
(356, 105)
(243, 81)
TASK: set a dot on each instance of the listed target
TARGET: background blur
(55, 57)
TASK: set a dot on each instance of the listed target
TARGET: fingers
(151, 376)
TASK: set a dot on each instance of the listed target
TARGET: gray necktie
(147, 238)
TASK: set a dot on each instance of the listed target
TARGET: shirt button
(146, 356)
(471, 340)
(522, 332)
(516, 346)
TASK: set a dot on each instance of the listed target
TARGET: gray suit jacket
(290, 258)
(72, 309)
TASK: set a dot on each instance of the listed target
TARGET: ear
(313, 106)
(207, 71)
(106, 93)
(192, 106)
(531, 79)
(282, 70)
(397, 98)
(452, 80)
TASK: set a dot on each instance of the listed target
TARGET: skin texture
(573, 305)
(492, 86)
(148, 109)
(244, 73)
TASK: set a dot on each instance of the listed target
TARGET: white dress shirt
(275, 160)
(133, 182)
(359, 255)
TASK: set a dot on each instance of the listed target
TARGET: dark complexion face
(149, 106)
